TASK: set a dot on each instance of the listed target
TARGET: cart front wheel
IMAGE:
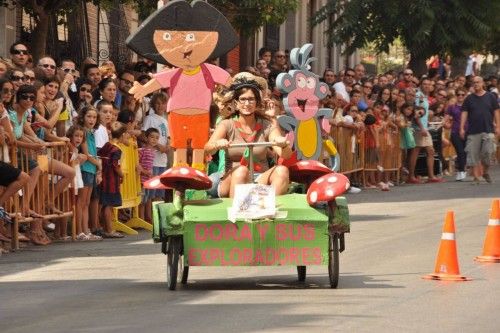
(301, 272)
(333, 260)
(173, 262)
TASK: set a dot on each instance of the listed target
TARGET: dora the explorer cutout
(185, 35)
(304, 118)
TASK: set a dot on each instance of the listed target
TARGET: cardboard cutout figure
(185, 36)
(303, 92)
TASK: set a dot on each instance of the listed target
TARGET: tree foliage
(426, 27)
(246, 16)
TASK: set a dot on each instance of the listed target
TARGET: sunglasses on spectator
(6, 91)
(369, 87)
(29, 78)
(47, 66)
(67, 70)
(18, 52)
(280, 56)
(17, 78)
(460, 94)
(349, 75)
(83, 89)
(27, 97)
(127, 82)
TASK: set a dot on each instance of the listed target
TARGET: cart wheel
(301, 272)
(333, 260)
(173, 254)
(185, 273)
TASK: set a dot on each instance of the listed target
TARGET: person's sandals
(113, 234)
(476, 181)
(39, 238)
(435, 180)
(62, 239)
(4, 238)
(487, 177)
(35, 215)
(413, 181)
(82, 237)
(51, 208)
(92, 237)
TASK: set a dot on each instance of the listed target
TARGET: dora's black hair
(179, 15)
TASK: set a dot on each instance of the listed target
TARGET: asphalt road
(119, 285)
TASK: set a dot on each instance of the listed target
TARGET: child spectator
(110, 195)
(372, 156)
(127, 118)
(91, 169)
(158, 121)
(146, 157)
(76, 135)
(105, 111)
(407, 140)
(114, 115)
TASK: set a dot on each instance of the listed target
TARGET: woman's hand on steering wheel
(222, 144)
(281, 142)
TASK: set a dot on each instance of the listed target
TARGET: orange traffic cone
(491, 249)
(447, 260)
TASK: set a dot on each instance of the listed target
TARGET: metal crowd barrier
(43, 191)
(389, 154)
(350, 146)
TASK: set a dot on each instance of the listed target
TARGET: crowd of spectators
(88, 107)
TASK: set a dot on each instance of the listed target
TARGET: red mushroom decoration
(155, 184)
(327, 188)
(183, 178)
(305, 172)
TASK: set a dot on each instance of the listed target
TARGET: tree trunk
(417, 64)
(458, 65)
(39, 37)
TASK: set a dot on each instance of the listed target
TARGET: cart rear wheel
(301, 272)
(173, 262)
(333, 260)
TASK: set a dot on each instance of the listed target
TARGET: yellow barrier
(44, 190)
(131, 191)
(350, 145)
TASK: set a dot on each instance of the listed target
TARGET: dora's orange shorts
(184, 127)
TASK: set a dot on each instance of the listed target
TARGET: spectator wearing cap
(19, 55)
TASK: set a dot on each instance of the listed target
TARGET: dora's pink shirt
(191, 90)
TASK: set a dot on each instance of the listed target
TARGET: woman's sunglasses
(18, 52)
(27, 97)
(17, 78)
